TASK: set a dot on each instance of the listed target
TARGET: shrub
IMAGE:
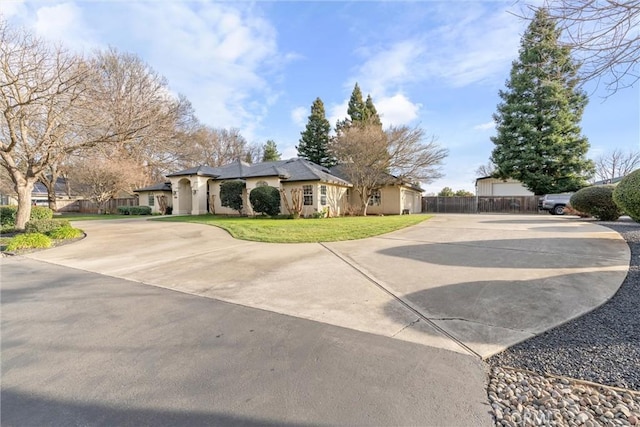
(627, 195)
(265, 200)
(28, 241)
(44, 226)
(140, 210)
(596, 201)
(569, 210)
(40, 212)
(168, 210)
(231, 194)
(134, 210)
(8, 214)
(67, 232)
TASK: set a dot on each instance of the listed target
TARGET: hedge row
(134, 210)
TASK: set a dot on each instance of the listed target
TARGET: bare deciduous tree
(100, 179)
(616, 163)
(214, 147)
(485, 170)
(43, 94)
(604, 35)
(371, 158)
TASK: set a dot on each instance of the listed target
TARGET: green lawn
(303, 230)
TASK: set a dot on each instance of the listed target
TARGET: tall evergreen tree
(359, 111)
(371, 114)
(314, 139)
(270, 152)
(539, 139)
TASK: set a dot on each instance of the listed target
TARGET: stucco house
(489, 186)
(196, 191)
(154, 196)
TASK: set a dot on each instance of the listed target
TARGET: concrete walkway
(474, 284)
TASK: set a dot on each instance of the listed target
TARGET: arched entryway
(185, 202)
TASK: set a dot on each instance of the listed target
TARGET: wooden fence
(481, 204)
(87, 206)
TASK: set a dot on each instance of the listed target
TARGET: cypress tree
(539, 140)
(270, 151)
(371, 114)
(314, 141)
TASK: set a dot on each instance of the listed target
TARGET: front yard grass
(303, 230)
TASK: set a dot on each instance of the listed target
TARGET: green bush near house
(64, 233)
(627, 195)
(265, 200)
(134, 210)
(29, 241)
(45, 226)
(596, 201)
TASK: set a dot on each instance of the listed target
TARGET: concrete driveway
(474, 284)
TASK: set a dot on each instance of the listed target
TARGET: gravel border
(602, 346)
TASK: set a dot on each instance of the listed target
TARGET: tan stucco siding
(143, 199)
(335, 198)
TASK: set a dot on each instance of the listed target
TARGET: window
(307, 194)
(151, 200)
(323, 195)
(374, 200)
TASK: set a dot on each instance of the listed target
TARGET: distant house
(489, 186)
(39, 195)
(196, 191)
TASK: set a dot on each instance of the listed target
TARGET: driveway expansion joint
(462, 319)
(401, 301)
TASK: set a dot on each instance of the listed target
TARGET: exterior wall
(484, 187)
(393, 200)
(271, 181)
(189, 195)
(335, 200)
(143, 199)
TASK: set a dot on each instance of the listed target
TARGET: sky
(258, 66)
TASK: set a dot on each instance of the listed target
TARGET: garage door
(510, 189)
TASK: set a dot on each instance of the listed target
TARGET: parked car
(554, 203)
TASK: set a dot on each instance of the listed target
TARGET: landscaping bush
(67, 232)
(265, 200)
(596, 201)
(44, 226)
(134, 210)
(40, 212)
(28, 241)
(8, 214)
(168, 210)
(231, 194)
(627, 195)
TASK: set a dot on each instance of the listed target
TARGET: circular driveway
(474, 284)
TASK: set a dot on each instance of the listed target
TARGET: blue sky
(258, 66)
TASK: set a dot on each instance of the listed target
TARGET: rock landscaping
(585, 372)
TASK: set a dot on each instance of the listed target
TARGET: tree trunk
(24, 189)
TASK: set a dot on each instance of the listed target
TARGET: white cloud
(298, 116)
(63, 23)
(473, 47)
(485, 126)
(222, 56)
(397, 110)
(12, 8)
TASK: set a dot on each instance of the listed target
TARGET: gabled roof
(339, 170)
(287, 170)
(160, 186)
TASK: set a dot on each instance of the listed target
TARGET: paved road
(473, 284)
(85, 349)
